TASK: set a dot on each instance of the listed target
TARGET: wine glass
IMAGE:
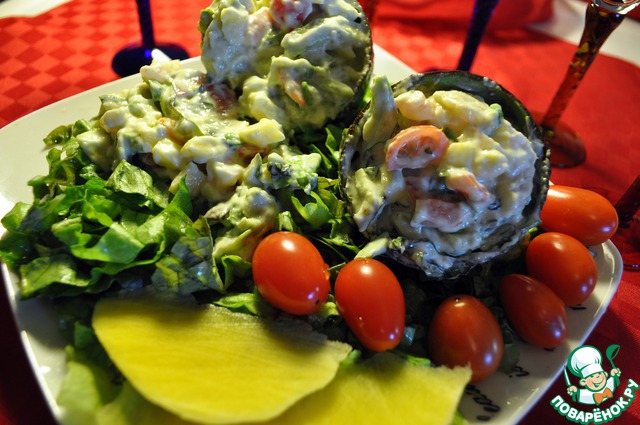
(131, 58)
(482, 12)
(602, 17)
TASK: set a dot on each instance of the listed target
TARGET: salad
(170, 190)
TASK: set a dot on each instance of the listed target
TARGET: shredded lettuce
(84, 232)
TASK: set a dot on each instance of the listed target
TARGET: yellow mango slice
(211, 366)
(384, 389)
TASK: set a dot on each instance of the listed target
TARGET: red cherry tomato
(371, 301)
(536, 313)
(564, 264)
(464, 332)
(581, 213)
(290, 273)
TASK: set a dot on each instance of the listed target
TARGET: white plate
(507, 398)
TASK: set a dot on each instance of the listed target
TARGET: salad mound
(300, 62)
(445, 171)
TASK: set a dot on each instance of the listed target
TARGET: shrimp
(290, 14)
(292, 86)
(170, 130)
(416, 147)
(443, 215)
(258, 26)
(464, 182)
(293, 89)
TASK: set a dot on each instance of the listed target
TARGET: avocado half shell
(357, 153)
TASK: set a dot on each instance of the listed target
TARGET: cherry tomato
(371, 301)
(290, 273)
(464, 332)
(416, 147)
(536, 313)
(581, 213)
(564, 264)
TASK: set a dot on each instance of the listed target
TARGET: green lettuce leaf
(89, 236)
(129, 179)
(189, 267)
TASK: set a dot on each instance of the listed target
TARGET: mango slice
(385, 389)
(211, 366)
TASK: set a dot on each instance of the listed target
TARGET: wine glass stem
(599, 24)
(146, 25)
(482, 11)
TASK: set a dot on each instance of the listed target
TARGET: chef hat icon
(585, 361)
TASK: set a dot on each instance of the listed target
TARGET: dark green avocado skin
(515, 112)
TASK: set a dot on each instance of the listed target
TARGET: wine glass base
(130, 59)
(627, 240)
(566, 146)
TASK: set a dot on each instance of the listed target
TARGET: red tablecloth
(69, 50)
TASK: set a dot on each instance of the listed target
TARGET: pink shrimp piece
(169, 128)
(259, 25)
(293, 89)
(443, 215)
(289, 14)
(464, 182)
(416, 147)
(292, 86)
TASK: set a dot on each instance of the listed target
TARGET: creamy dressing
(186, 129)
